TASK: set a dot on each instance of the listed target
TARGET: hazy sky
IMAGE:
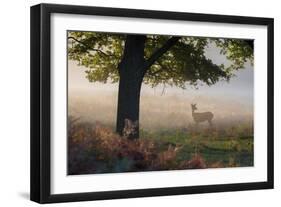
(239, 88)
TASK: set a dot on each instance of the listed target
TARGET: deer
(130, 129)
(202, 116)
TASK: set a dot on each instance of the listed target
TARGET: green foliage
(185, 62)
(236, 50)
(99, 52)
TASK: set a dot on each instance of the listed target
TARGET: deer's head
(130, 128)
(193, 107)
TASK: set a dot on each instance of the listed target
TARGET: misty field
(169, 138)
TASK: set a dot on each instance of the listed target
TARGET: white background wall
(14, 104)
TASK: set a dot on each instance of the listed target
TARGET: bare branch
(163, 89)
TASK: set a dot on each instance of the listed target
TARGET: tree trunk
(131, 76)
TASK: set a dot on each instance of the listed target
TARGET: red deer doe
(201, 117)
(130, 128)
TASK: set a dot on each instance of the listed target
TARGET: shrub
(96, 149)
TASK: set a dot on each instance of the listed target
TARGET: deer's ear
(136, 122)
(128, 122)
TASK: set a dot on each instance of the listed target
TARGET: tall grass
(95, 148)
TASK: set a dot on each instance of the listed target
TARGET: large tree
(152, 59)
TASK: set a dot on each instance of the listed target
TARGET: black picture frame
(41, 99)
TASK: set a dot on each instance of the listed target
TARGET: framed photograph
(133, 103)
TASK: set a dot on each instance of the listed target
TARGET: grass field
(169, 139)
(219, 148)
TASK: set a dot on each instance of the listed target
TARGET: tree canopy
(183, 63)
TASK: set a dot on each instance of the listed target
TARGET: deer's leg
(210, 122)
(196, 126)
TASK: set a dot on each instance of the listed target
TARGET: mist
(166, 107)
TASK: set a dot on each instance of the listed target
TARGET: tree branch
(157, 71)
(93, 49)
(161, 69)
(158, 53)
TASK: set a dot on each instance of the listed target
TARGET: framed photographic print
(132, 103)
